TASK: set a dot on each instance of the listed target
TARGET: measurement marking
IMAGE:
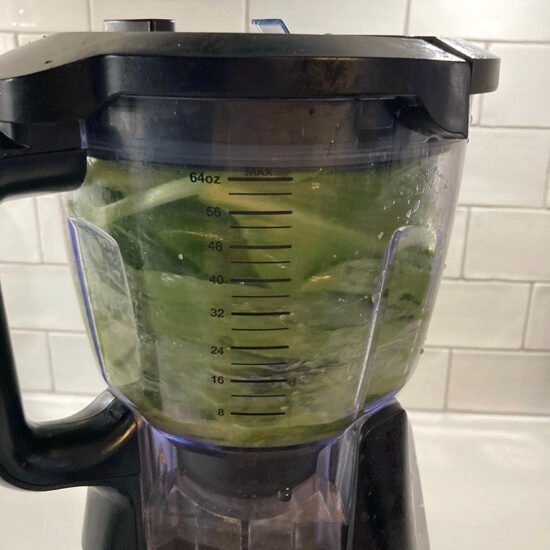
(260, 364)
(261, 194)
(260, 227)
(260, 246)
(252, 395)
(264, 178)
(258, 414)
(262, 296)
(261, 262)
(260, 381)
(259, 329)
(259, 212)
(258, 347)
(282, 280)
(259, 313)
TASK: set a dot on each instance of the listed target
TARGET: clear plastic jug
(257, 272)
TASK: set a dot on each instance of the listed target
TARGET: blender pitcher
(259, 226)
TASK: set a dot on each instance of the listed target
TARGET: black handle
(40, 158)
(98, 446)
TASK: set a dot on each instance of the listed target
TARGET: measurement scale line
(258, 347)
(280, 280)
(259, 313)
(260, 364)
(260, 246)
(261, 381)
(264, 178)
(262, 296)
(264, 395)
(259, 212)
(262, 194)
(258, 414)
(261, 262)
(260, 227)
(259, 329)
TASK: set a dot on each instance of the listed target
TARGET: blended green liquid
(250, 308)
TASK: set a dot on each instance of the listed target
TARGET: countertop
(486, 483)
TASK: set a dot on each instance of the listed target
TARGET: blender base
(360, 491)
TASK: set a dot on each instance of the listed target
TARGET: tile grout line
(448, 379)
(466, 240)
(48, 330)
(246, 15)
(512, 127)
(407, 22)
(525, 209)
(474, 349)
(485, 412)
(487, 46)
(50, 362)
(90, 15)
(39, 229)
(62, 393)
(489, 280)
(32, 264)
(530, 209)
(527, 315)
(492, 280)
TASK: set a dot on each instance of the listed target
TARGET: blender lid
(50, 89)
(69, 76)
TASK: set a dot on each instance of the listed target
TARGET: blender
(258, 224)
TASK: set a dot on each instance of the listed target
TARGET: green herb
(348, 329)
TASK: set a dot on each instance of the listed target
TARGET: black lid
(69, 76)
(50, 87)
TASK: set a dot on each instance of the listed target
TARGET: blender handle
(29, 164)
(89, 448)
(96, 447)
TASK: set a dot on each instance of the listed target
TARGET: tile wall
(489, 345)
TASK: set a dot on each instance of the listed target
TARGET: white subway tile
(19, 230)
(505, 167)
(52, 229)
(55, 512)
(45, 15)
(502, 382)
(475, 110)
(522, 95)
(479, 314)
(7, 42)
(23, 38)
(426, 388)
(40, 297)
(348, 17)
(538, 326)
(75, 367)
(453, 262)
(47, 407)
(32, 359)
(190, 16)
(508, 244)
(482, 19)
